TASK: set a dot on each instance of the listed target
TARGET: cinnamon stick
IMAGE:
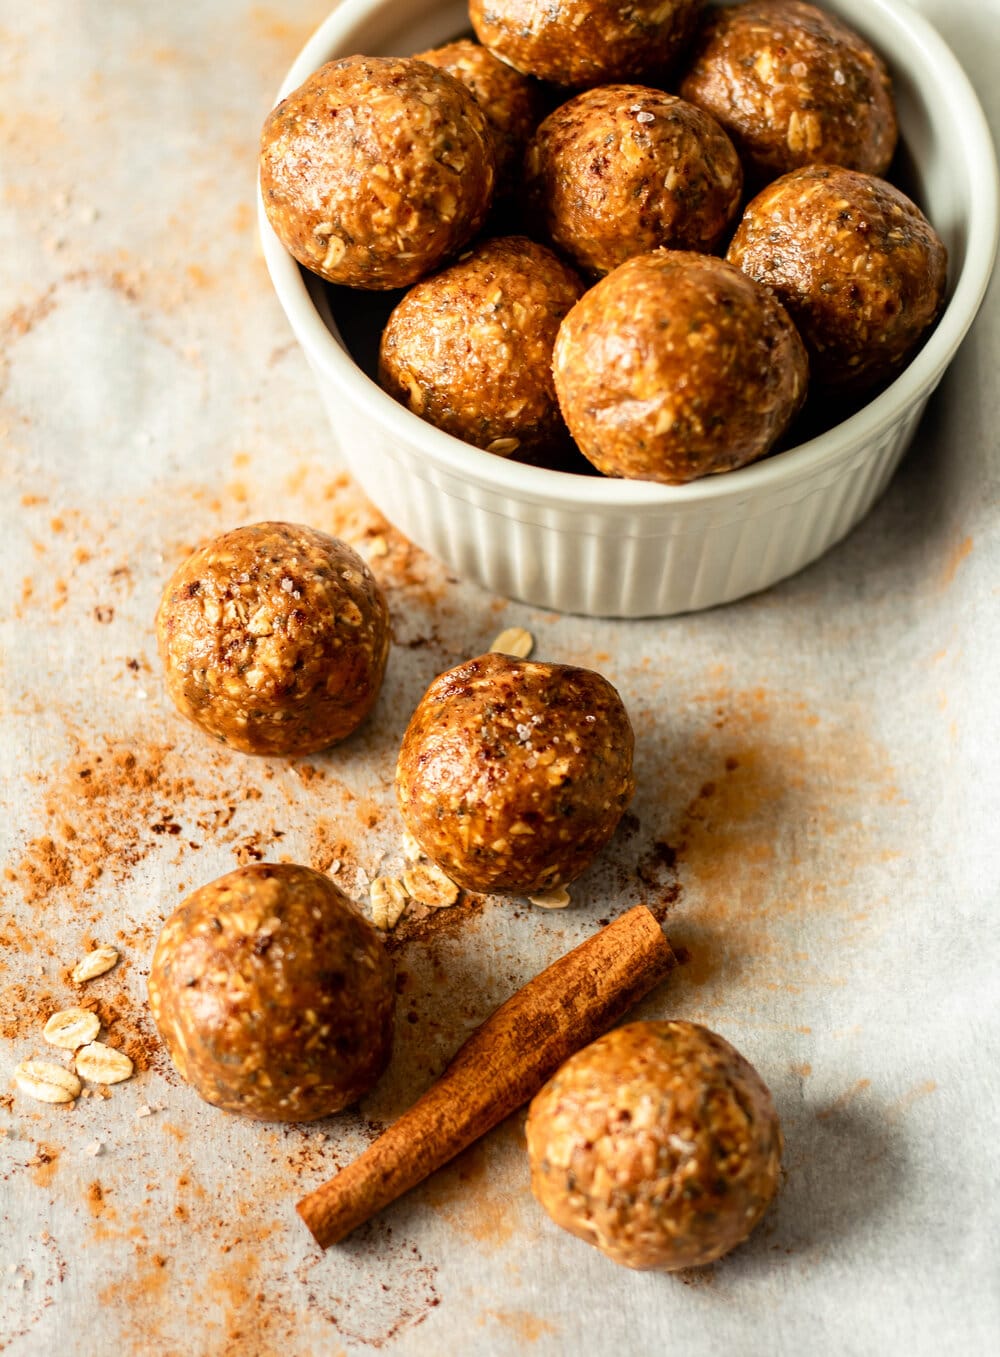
(502, 1065)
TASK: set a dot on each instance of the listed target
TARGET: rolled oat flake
(71, 1027)
(102, 1064)
(95, 963)
(46, 1082)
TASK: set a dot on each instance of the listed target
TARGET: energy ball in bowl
(585, 42)
(274, 639)
(511, 101)
(470, 350)
(859, 267)
(274, 996)
(376, 169)
(624, 169)
(658, 1144)
(671, 368)
(513, 775)
(792, 85)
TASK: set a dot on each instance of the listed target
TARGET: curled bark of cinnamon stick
(502, 1065)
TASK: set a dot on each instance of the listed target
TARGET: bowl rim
(517, 480)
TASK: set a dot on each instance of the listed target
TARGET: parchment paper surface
(818, 799)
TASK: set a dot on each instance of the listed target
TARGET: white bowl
(634, 548)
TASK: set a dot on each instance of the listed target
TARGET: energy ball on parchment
(658, 1144)
(671, 368)
(585, 42)
(792, 86)
(624, 169)
(376, 169)
(274, 639)
(511, 101)
(858, 266)
(513, 775)
(273, 994)
(470, 350)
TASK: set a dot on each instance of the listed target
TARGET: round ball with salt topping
(792, 85)
(585, 42)
(513, 775)
(857, 265)
(470, 350)
(274, 639)
(658, 1144)
(675, 366)
(511, 101)
(273, 995)
(624, 169)
(376, 169)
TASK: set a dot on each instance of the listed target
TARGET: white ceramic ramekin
(632, 548)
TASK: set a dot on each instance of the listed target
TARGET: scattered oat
(334, 867)
(388, 901)
(503, 447)
(95, 963)
(645, 118)
(71, 1027)
(428, 885)
(103, 1064)
(46, 1082)
(378, 546)
(94, 1147)
(553, 899)
(411, 849)
(144, 1111)
(514, 641)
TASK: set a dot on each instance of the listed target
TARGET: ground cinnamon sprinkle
(43, 1165)
(102, 810)
(128, 1026)
(328, 847)
(419, 923)
(107, 808)
(19, 1001)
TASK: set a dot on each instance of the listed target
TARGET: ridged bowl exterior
(606, 564)
(633, 549)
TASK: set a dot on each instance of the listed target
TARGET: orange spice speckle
(44, 1164)
(903, 1104)
(525, 1327)
(954, 561)
(846, 1097)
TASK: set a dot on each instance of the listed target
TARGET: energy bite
(274, 639)
(624, 169)
(585, 42)
(376, 169)
(511, 101)
(513, 775)
(470, 350)
(792, 85)
(274, 996)
(672, 367)
(858, 266)
(658, 1144)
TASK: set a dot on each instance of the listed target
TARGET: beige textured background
(817, 806)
